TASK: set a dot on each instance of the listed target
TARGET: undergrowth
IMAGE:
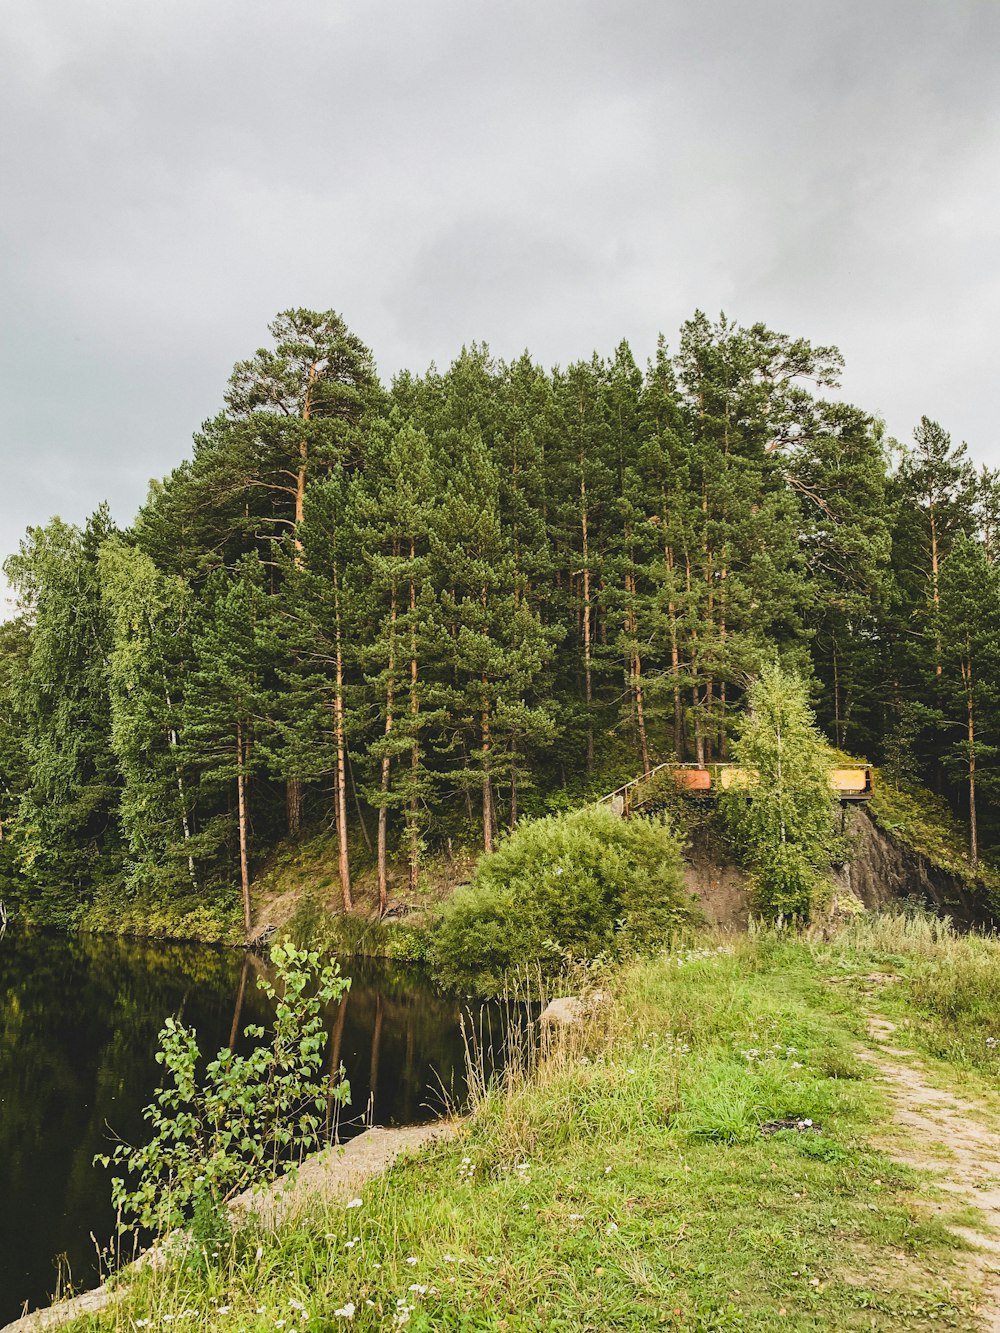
(696, 1151)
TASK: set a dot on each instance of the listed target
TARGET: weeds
(640, 1167)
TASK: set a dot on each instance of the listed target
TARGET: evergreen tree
(224, 701)
(394, 511)
(68, 838)
(969, 629)
(148, 662)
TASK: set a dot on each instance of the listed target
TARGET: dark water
(79, 1019)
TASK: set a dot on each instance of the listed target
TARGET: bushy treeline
(418, 613)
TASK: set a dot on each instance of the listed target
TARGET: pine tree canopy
(409, 617)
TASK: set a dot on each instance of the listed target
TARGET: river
(79, 1018)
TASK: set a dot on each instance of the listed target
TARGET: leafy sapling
(247, 1119)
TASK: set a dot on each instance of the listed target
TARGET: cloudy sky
(553, 174)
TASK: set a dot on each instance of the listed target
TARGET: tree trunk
(588, 684)
(185, 825)
(414, 830)
(293, 806)
(513, 784)
(487, 776)
(836, 695)
(357, 805)
(241, 794)
(300, 475)
(675, 660)
(935, 591)
(971, 727)
(341, 774)
(383, 810)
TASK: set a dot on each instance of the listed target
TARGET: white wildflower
(354, 1203)
(346, 1311)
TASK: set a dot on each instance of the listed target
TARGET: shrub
(583, 884)
(249, 1116)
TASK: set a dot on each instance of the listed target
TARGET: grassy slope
(625, 1183)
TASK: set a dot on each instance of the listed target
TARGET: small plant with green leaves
(247, 1119)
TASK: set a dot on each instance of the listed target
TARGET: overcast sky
(555, 174)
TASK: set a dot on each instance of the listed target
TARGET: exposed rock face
(882, 870)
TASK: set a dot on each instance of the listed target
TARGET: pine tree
(322, 593)
(497, 647)
(969, 628)
(295, 412)
(224, 701)
(394, 514)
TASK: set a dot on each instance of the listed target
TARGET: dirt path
(956, 1139)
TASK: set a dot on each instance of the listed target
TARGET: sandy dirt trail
(955, 1138)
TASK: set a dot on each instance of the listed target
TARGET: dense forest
(415, 615)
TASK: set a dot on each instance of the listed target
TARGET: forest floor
(758, 1132)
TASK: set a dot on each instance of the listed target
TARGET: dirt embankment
(882, 869)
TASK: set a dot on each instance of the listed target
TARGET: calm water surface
(79, 1019)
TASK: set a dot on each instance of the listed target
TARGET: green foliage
(58, 705)
(612, 1166)
(584, 884)
(781, 812)
(921, 820)
(412, 617)
(246, 1119)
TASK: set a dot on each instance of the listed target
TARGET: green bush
(583, 884)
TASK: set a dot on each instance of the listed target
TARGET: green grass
(623, 1181)
(946, 993)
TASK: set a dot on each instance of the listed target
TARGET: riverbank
(713, 1149)
(904, 843)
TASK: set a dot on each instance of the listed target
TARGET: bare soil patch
(955, 1138)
